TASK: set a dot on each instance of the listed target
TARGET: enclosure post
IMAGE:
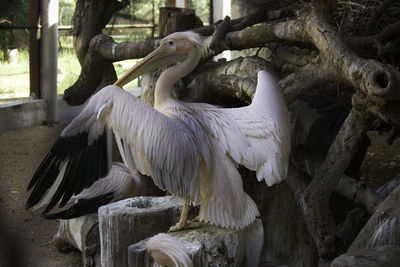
(33, 49)
(48, 56)
(221, 9)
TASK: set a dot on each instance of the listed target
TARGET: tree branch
(309, 76)
(101, 53)
(378, 13)
(314, 199)
(338, 62)
(348, 187)
(89, 78)
(359, 192)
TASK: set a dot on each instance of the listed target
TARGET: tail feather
(224, 202)
(211, 213)
(82, 207)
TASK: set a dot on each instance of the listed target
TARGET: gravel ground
(23, 233)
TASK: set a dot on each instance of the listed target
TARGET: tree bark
(383, 228)
(177, 19)
(89, 19)
(313, 201)
(310, 55)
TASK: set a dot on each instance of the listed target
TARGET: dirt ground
(27, 236)
(382, 162)
(23, 233)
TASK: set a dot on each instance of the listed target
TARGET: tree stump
(382, 256)
(131, 220)
(173, 19)
(211, 246)
(83, 234)
(383, 228)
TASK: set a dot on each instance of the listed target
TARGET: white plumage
(190, 149)
(167, 250)
(120, 181)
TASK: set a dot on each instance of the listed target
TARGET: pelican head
(173, 48)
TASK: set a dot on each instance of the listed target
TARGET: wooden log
(129, 221)
(310, 143)
(173, 19)
(83, 234)
(382, 256)
(211, 246)
(286, 239)
(383, 228)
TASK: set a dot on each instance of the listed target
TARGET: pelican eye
(170, 42)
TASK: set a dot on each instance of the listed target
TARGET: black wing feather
(60, 190)
(83, 207)
(69, 176)
(46, 178)
(85, 166)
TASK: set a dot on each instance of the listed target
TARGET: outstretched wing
(151, 142)
(79, 157)
(165, 148)
(266, 126)
(257, 136)
(120, 183)
(223, 131)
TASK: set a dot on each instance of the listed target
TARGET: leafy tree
(12, 13)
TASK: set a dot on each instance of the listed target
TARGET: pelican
(120, 183)
(190, 150)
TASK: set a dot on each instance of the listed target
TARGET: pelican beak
(160, 57)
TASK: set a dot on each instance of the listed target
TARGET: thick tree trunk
(90, 17)
(301, 225)
(177, 19)
(383, 228)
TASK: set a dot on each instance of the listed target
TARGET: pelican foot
(184, 226)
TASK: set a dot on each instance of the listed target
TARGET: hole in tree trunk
(382, 80)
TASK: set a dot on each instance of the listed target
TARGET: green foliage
(202, 8)
(66, 10)
(5, 37)
(17, 13)
(14, 77)
(68, 69)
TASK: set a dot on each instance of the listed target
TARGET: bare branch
(338, 61)
(387, 111)
(231, 83)
(388, 33)
(314, 200)
(378, 13)
(359, 192)
(101, 53)
(347, 187)
(261, 15)
(310, 76)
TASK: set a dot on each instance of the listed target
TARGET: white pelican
(189, 149)
(120, 183)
